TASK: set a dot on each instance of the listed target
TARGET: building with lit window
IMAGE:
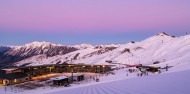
(12, 76)
(17, 75)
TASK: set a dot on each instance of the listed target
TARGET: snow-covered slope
(83, 46)
(165, 49)
(36, 48)
(76, 57)
(172, 83)
(104, 46)
(17, 53)
(162, 48)
(165, 83)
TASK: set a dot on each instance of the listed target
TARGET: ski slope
(174, 81)
(170, 83)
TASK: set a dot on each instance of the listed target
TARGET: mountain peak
(159, 38)
(40, 44)
(38, 48)
(83, 46)
(162, 34)
(104, 46)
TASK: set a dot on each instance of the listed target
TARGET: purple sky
(94, 17)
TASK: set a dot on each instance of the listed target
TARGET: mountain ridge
(50, 53)
(160, 48)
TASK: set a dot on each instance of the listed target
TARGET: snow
(111, 45)
(42, 44)
(41, 59)
(75, 74)
(171, 83)
(10, 69)
(59, 78)
(83, 46)
(164, 48)
(161, 47)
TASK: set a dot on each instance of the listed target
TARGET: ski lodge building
(17, 75)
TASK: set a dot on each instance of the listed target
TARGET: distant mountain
(83, 46)
(106, 46)
(4, 48)
(36, 48)
(161, 48)
(18, 53)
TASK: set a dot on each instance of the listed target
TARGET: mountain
(36, 48)
(72, 57)
(4, 48)
(48, 49)
(106, 46)
(83, 46)
(160, 49)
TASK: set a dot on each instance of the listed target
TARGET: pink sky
(88, 16)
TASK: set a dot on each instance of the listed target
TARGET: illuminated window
(15, 80)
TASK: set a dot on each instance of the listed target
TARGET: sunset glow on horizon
(94, 17)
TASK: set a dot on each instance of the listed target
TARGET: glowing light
(15, 80)
(103, 66)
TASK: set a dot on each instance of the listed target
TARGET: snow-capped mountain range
(161, 48)
(36, 48)
(13, 54)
